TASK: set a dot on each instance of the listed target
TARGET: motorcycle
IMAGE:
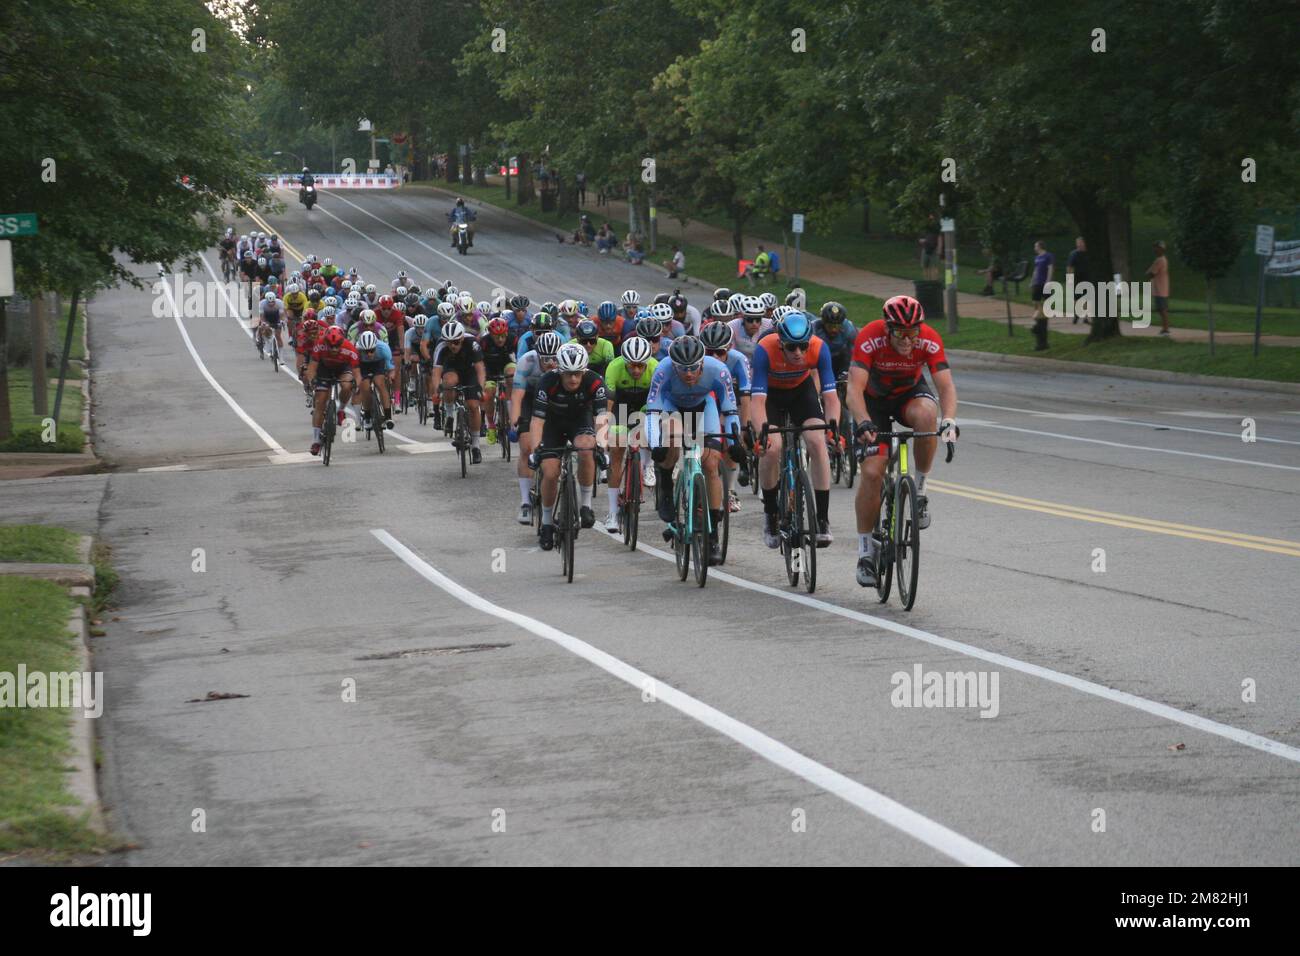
(307, 196)
(462, 238)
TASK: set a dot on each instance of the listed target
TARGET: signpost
(796, 226)
(948, 227)
(1263, 249)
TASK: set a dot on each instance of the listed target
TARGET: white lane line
(437, 252)
(262, 433)
(1160, 426)
(164, 468)
(1235, 734)
(932, 834)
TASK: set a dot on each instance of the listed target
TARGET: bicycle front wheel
(631, 499)
(681, 544)
(462, 440)
(377, 418)
(568, 526)
(699, 528)
(907, 542)
(807, 537)
(785, 506)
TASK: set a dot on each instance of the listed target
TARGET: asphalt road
(503, 716)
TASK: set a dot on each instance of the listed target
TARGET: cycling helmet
(315, 273)
(572, 358)
(548, 344)
(678, 304)
(607, 312)
(794, 329)
(328, 313)
(569, 308)
(484, 309)
(797, 298)
(412, 289)
(334, 336)
(368, 317)
(420, 321)
(400, 292)
(782, 311)
(329, 262)
(498, 327)
(347, 285)
(385, 301)
(636, 351)
(453, 331)
(662, 298)
(460, 201)
(686, 352)
(768, 300)
(586, 331)
(309, 324)
(466, 302)
(293, 289)
(450, 291)
(721, 310)
(399, 307)
(650, 328)
(401, 273)
(370, 289)
(551, 309)
(446, 310)
(543, 320)
(309, 315)
(582, 307)
(269, 297)
(662, 311)
(367, 341)
(722, 294)
(734, 300)
(631, 297)
(716, 336)
(499, 303)
(261, 261)
(833, 314)
(412, 300)
(314, 295)
(903, 312)
(752, 305)
(519, 303)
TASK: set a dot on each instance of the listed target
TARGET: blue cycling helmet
(795, 329)
(582, 307)
(642, 314)
(608, 311)
(586, 331)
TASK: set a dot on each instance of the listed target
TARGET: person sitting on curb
(632, 248)
(604, 239)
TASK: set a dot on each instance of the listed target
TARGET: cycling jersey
(624, 390)
(382, 361)
(738, 366)
(354, 333)
(526, 341)
(497, 357)
(553, 398)
(394, 324)
(690, 322)
(461, 362)
(890, 374)
(742, 342)
(411, 341)
(517, 325)
(600, 357)
(712, 394)
(271, 313)
(306, 341)
(773, 368)
(333, 360)
(295, 302)
(841, 345)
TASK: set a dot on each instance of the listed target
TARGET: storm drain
(432, 652)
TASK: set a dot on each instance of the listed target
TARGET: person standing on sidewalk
(1044, 266)
(1077, 266)
(931, 249)
(581, 182)
(1159, 276)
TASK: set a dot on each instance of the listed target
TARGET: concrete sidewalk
(828, 272)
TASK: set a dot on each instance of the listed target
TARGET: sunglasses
(753, 319)
(906, 336)
(691, 369)
(794, 347)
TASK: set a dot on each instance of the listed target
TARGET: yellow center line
(1155, 526)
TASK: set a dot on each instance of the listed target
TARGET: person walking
(1044, 266)
(1159, 276)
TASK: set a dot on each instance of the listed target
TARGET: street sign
(947, 225)
(6, 268)
(18, 224)
(797, 227)
(1263, 240)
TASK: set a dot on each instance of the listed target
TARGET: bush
(70, 439)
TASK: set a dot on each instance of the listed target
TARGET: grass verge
(38, 543)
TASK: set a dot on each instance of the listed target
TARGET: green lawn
(35, 742)
(28, 427)
(38, 543)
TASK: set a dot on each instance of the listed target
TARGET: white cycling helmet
(466, 302)
(347, 285)
(548, 344)
(367, 341)
(734, 300)
(572, 357)
(636, 350)
(569, 308)
(370, 289)
(782, 311)
(329, 262)
(631, 297)
(662, 311)
(269, 297)
(328, 312)
(293, 289)
(768, 300)
(399, 307)
(453, 331)
(752, 305)
(446, 310)
(400, 292)
(420, 321)
(483, 308)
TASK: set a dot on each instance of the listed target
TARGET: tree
(1207, 218)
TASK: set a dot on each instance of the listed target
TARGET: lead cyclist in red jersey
(885, 385)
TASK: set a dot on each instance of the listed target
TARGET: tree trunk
(738, 218)
(6, 418)
(480, 175)
(524, 184)
(39, 388)
(1120, 228)
(1093, 222)
(467, 168)
(453, 158)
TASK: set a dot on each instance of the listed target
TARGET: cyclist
(886, 384)
(392, 316)
(518, 318)
(611, 324)
(529, 371)
(333, 358)
(691, 383)
(367, 321)
(566, 407)
(749, 326)
(295, 304)
(411, 347)
(376, 360)
(401, 280)
(684, 314)
(458, 361)
(834, 328)
(228, 244)
(784, 393)
(445, 312)
(309, 330)
(716, 337)
(631, 300)
(599, 352)
(543, 321)
(270, 321)
(498, 347)
(627, 384)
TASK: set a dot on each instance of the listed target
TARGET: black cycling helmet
(650, 328)
(686, 351)
(543, 320)
(833, 314)
(721, 295)
(662, 298)
(518, 303)
(716, 336)
(551, 309)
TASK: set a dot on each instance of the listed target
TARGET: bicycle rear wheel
(327, 433)
(724, 533)
(907, 542)
(681, 545)
(700, 529)
(885, 543)
(376, 418)
(806, 512)
(462, 440)
(631, 499)
(421, 398)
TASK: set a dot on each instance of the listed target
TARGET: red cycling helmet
(498, 327)
(385, 301)
(309, 315)
(903, 312)
(334, 336)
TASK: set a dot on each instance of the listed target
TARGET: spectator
(581, 182)
(632, 248)
(1044, 266)
(1077, 266)
(677, 264)
(991, 274)
(1159, 276)
(585, 232)
(931, 248)
(761, 268)
(604, 239)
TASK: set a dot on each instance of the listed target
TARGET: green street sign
(17, 224)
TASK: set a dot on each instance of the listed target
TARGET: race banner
(1286, 259)
(355, 181)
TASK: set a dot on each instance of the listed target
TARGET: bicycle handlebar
(904, 435)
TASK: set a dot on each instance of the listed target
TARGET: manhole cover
(432, 652)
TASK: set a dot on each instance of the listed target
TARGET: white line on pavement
(932, 834)
(1164, 711)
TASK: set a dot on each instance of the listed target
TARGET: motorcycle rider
(305, 179)
(461, 213)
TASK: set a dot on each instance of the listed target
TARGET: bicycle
(568, 519)
(456, 424)
(629, 497)
(330, 423)
(376, 414)
(692, 525)
(275, 350)
(796, 505)
(501, 415)
(422, 393)
(752, 458)
(844, 459)
(897, 531)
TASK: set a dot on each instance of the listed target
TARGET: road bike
(567, 517)
(421, 393)
(692, 527)
(456, 424)
(330, 422)
(898, 531)
(796, 505)
(375, 413)
(501, 416)
(629, 497)
(843, 449)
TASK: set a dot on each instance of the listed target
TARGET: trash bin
(548, 200)
(929, 292)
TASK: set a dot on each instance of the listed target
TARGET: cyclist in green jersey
(627, 383)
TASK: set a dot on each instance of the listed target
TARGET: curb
(83, 781)
(1030, 363)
